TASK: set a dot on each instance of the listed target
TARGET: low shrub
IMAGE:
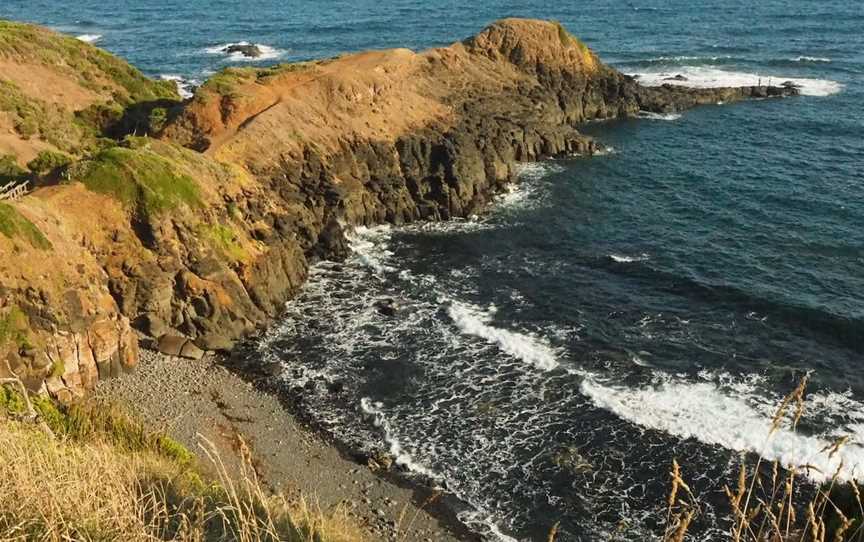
(143, 181)
(47, 162)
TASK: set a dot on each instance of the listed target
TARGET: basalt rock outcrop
(199, 236)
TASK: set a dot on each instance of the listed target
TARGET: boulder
(247, 50)
(171, 345)
(191, 351)
(678, 77)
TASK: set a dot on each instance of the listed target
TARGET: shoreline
(235, 408)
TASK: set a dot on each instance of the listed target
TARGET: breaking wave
(89, 38)
(474, 321)
(627, 259)
(815, 59)
(702, 411)
(707, 77)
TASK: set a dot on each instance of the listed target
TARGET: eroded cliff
(203, 233)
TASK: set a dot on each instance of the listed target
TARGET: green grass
(14, 226)
(54, 124)
(97, 422)
(92, 66)
(569, 40)
(227, 81)
(11, 401)
(142, 180)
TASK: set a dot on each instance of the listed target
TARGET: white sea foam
(185, 87)
(659, 116)
(684, 58)
(706, 77)
(484, 525)
(89, 38)
(704, 412)
(267, 52)
(370, 247)
(475, 321)
(604, 151)
(376, 411)
(810, 59)
(628, 259)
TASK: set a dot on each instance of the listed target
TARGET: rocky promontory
(191, 223)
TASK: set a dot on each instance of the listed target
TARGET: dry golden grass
(65, 489)
(764, 510)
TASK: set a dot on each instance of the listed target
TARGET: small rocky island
(247, 50)
(188, 224)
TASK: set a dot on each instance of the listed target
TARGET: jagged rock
(247, 50)
(678, 77)
(384, 136)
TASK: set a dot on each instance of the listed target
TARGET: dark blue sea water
(552, 357)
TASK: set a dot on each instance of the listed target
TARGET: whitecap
(705, 77)
(627, 259)
(472, 320)
(711, 415)
(686, 58)
(267, 52)
(89, 38)
(816, 59)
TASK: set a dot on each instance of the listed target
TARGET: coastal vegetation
(15, 226)
(90, 66)
(142, 180)
(91, 472)
(772, 502)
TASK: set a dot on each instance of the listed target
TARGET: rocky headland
(188, 224)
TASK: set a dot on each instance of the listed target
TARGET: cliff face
(208, 241)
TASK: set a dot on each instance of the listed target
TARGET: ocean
(551, 357)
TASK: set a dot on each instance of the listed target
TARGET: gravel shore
(190, 399)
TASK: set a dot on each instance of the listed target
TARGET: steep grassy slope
(59, 93)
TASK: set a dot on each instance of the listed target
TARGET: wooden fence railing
(13, 191)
